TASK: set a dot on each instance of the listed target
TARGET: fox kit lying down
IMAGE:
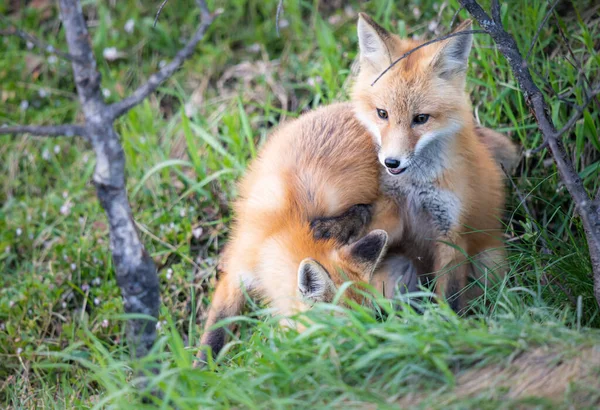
(320, 164)
(446, 186)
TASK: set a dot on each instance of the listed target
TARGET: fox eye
(382, 114)
(420, 119)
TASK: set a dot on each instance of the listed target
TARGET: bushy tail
(504, 151)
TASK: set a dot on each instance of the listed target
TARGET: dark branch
(120, 108)
(42, 45)
(66, 130)
(160, 9)
(539, 29)
(587, 209)
(455, 16)
(427, 43)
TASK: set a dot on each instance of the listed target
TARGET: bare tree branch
(436, 40)
(135, 270)
(66, 130)
(42, 45)
(586, 207)
(120, 108)
(539, 29)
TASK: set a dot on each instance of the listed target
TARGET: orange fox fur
(447, 188)
(325, 162)
(318, 165)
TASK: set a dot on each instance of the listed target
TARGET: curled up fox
(398, 180)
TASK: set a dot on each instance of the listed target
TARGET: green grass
(61, 328)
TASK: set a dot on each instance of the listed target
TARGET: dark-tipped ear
(314, 282)
(372, 43)
(451, 61)
(365, 254)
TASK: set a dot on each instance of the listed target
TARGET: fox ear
(365, 254)
(372, 43)
(451, 61)
(314, 282)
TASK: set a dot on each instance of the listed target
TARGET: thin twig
(538, 149)
(120, 108)
(42, 45)
(539, 29)
(65, 130)
(427, 43)
(160, 9)
(455, 16)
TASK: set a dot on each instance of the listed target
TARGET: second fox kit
(447, 188)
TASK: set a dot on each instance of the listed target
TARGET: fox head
(318, 281)
(415, 110)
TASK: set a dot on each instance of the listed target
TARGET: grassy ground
(61, 328)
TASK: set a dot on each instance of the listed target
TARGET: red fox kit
(448, 189)
(316, 166)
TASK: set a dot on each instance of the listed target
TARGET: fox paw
(344, 228)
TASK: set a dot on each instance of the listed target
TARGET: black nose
(391, 163)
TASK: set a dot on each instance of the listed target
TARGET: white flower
(29, 45)
(129, 25)
(106, 92)
(169, 273)
(111, 53)
(73, 266)
(46, 154)
(19, 351)
(42, 93)
(182, 213)
(197, 232)
(56, 149)
(97, 301)
(52, 59)
(19, 231)
(24, 105)
(85, 287)
(105, 323)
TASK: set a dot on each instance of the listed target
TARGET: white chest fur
(442, 206)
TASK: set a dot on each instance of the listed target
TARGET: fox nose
(391, 163)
